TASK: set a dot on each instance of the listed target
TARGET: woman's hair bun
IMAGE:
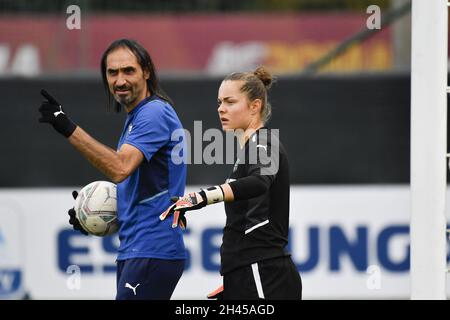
(264, 75)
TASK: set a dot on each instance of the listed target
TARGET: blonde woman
(254, 260)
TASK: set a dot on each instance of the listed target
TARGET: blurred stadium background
(342, 104)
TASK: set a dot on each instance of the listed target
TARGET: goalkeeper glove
(52, 112)
(192, 201)
(216, 294)
(73, 218)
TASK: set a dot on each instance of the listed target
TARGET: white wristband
(214, 194)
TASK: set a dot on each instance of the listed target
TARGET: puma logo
(58, 112)
(129, 286)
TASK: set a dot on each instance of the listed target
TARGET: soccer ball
(96, 208)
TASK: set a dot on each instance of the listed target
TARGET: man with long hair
(151, 255)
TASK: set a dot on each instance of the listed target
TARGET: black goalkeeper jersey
(257, 228)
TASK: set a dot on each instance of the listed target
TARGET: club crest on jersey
(130, 127)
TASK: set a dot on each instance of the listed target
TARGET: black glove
(52, 112)
(73, 219)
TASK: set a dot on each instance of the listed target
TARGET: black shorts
(276, 278)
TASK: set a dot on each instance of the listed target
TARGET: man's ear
(255, 106)
(146, 74)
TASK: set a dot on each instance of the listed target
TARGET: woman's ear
(255, 106)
